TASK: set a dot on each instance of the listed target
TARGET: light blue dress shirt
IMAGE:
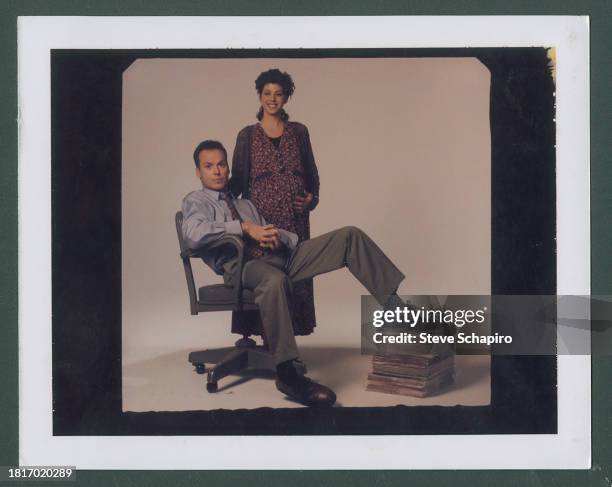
(206, 218)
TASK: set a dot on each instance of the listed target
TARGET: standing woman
(273, 166)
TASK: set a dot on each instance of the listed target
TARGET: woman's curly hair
(277, 77)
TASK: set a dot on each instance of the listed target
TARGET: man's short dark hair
(208, 145)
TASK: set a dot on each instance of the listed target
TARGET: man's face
(213, 170)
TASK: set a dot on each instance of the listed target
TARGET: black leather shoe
(305, 391)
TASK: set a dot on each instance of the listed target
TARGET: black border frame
(86, 255)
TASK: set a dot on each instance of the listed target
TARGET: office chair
(219, 297)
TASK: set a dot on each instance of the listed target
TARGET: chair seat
(221, 295)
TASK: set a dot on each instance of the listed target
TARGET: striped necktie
(252, 250)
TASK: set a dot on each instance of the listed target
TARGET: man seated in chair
(275, 260)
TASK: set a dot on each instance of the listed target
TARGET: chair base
(245, 342)
(240, 358)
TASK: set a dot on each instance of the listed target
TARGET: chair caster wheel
(212, 387)
(200, 368)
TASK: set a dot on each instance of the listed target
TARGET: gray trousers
(272, 277)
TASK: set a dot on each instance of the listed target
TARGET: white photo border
(569, 449)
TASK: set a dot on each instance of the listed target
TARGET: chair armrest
(238, 244)
(233, 240)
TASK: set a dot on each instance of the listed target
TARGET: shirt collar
(212, 193)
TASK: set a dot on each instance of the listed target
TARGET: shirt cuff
(289, 239)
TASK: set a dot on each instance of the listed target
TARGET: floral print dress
(277, 176)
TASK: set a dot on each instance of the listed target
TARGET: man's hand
(302, 203)
(268, 236)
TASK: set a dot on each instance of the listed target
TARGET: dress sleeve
(239, 164)
(310, 167)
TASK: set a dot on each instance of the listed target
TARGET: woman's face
(272, 98)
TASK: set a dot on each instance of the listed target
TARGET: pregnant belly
(275, 190)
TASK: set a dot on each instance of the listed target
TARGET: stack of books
(411, 375)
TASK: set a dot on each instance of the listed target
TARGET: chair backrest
(186, 254)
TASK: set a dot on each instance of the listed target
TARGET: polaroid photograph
(319, 160)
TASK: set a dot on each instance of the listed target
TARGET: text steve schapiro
(425, 337)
